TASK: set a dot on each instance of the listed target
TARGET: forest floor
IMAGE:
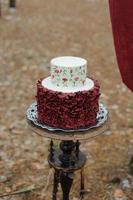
(29, 38)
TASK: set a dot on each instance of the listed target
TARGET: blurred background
(30, 36)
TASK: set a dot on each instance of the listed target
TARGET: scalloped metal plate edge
(31, 115)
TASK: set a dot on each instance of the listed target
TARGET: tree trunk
(12, 3)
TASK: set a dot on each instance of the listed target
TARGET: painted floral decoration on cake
(68, 76)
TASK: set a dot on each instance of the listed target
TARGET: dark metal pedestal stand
(131, 166)
(12, 3)
(66, 161)
(67, 158)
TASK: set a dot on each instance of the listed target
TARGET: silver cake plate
(32, 116)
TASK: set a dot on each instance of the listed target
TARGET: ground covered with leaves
(29, 38)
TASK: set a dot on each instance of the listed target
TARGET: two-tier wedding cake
(68, 99)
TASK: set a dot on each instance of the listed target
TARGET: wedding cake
(68, 99)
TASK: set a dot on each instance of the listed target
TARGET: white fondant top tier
(68, 71)
(67, 61)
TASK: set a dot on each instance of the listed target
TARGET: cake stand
(67, 158)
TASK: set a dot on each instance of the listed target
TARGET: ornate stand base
(68, 158)
(66, 161)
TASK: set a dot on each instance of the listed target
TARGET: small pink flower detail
(57, 71)
(76, 78)
(64, 79)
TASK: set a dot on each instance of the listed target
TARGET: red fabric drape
(121, 12)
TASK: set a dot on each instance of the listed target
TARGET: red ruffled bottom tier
(67, 110)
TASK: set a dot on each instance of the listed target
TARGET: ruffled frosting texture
(67, 110)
